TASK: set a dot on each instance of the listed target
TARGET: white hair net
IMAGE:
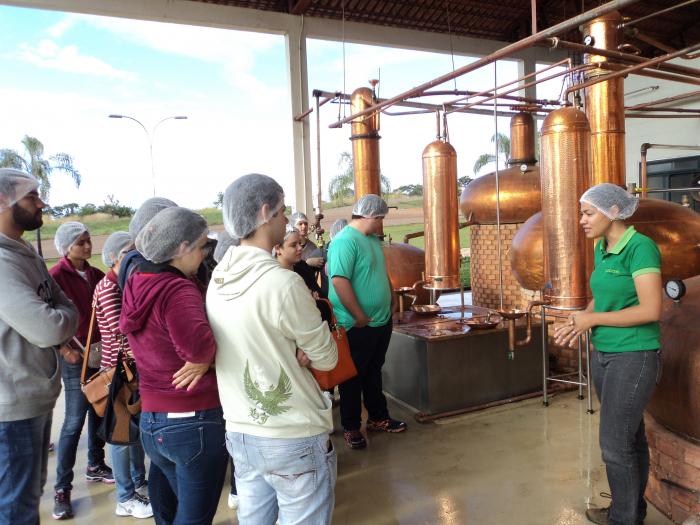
(244, 200)
(223, 243)
(288, 230)
(115, 246)
(14, 185)
(611, 200)
(298, 217)
(146, 212)
(162, 238)
(336, 227)
(67, 234)
(370, 206)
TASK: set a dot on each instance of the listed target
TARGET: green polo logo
(612, 270)
(269, 403)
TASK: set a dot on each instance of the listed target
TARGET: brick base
(676, 459)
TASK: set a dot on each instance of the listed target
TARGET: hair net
(289, 229)
(146, 212)
(224, 242)
(14, 185)
(161, 239)
(298, 217)
(115, 246)
(67, 234)
(370, 206)
(336, 227)
(611, 200)
(243, 202)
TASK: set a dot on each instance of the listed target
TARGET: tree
(342, 185)
(411, 190)
(464, 180)
(34, 162)
(219, 202)
(503, 148)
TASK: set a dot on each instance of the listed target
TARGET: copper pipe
(441, 218)
(504, 52)
(657, 13)
(508, 97)
(666, 100)
(365, 145)
(625, 57)
(637, 115)
(660, 45)
(533, 16)
(415, 235)
(670, 110)
(303, 115)
(653, 73)
(643, 182)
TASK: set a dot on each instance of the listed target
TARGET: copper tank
(441, 216)
(674, 228)
(519, 191)
(676, 400)
(405, 265)
(605, 106)
(565, 168)
(365, 145)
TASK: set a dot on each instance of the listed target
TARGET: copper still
(565, 165)
(405, 265)
(441, 216)
(676, 400)
(365, 144)
(522, 139)
(675, 229)
(604, 104)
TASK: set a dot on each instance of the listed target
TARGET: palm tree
(34, 162)
(342, 185)
(503, 152)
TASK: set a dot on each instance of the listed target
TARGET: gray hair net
(243, 202)
(146, 212)
(336, 227)
(162, 238)
(370, 206)
(115, 246)
(14, 185)
(298, 217)
(611, 200)
(223, 243)
(67, 234)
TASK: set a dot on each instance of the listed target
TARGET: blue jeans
(129, 470)
(624, 382)
(294, 478)
(77, 407)
(24, 450)
(188, 465)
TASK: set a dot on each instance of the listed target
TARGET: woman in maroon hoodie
(77, 279)
(163, 315)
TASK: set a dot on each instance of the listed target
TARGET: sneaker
(233, 501)
(142, 490)
(386, 425)
(137, 507)
(99, 473)
(62, 509)
(354, 439)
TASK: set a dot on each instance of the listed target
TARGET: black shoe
(62, 509)
(99, 473)
(354, 439)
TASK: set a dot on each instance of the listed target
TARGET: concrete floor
(516, 464)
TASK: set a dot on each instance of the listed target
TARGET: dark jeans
(368, 346)
(188, 465)
(624, 382)
(24, 450)
(76, 408)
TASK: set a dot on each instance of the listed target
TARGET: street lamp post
(150, 136)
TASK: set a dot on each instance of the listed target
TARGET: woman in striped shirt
(127, 460)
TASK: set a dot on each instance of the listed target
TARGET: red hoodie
(79, 290)
(165, 322)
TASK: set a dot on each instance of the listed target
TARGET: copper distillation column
(604, 104)
(365, 144)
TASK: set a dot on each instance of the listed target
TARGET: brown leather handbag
(345, 369)
(96, 388)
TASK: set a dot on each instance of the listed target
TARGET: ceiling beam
(299, 7)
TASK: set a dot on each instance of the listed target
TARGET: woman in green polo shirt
(623, 317)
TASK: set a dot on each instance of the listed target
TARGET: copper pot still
(676, 401)
(441, 216)
(365, 144)
(405, 265)
(518, 186)
(565, 168)
(675, 229)
(604, 104)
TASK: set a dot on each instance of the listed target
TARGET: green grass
(95, 260)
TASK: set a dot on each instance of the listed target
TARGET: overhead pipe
(653, 73)
(666, 100)
(643, 161)
(628, 23)
(504, 52)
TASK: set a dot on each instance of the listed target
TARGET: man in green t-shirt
(361, 295)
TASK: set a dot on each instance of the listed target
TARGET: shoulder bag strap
(334, 321)
(86, 351)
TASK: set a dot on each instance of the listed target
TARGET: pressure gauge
(588, 40)
(523, 168)
(675, 289)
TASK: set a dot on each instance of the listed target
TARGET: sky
(63, 74)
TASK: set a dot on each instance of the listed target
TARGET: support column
(525, 67)
(295, 46)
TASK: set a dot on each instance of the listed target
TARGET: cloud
(49, 55)
(65, 24)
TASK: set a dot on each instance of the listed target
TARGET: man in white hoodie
(267, 326)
